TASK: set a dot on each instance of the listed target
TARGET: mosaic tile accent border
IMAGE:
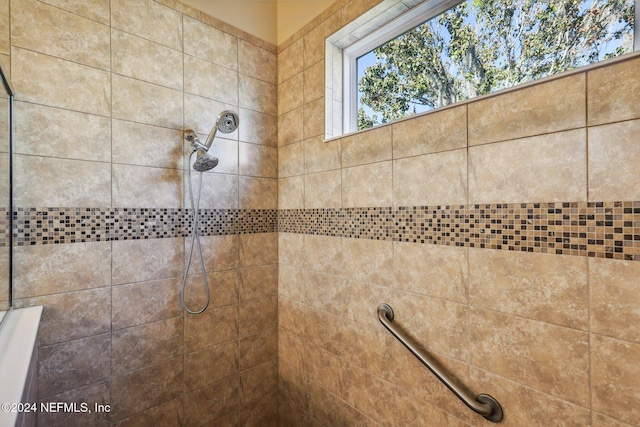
(594, 229)
(40, 226)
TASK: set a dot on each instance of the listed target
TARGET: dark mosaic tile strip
(39, 226)
(594, 229)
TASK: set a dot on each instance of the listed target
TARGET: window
(445, 51)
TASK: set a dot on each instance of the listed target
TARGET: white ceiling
(271, 20)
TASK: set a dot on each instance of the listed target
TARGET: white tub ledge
(17, 343)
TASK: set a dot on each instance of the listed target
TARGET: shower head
(226, 122)
(204, 161)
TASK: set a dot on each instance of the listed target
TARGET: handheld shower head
(226, 122)
(204, 161)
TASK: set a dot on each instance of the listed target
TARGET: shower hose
(195, 237)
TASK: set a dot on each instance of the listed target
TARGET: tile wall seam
(75, 13)
(59, 59)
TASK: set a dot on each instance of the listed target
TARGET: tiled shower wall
(504, 232)
(104, 90)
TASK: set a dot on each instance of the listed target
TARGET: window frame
(390, 30)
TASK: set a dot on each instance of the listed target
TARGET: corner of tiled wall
(104, 91)
(501, 230)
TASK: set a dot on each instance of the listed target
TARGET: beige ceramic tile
(60, 182)
(314, 41)
(600, 420)
(323, 253)
(218, 191)
(549, 358)
(290, 61)
(72, 315)
(68, 134)
(5, 37)
(210, 80)
(613, 161)
(407, 407)
(220, 253)
(209, 43)
(258, 249)
(229, 420)
(73, 364)
(5, 60)
(365, 392)
(258, 160)
(430, 133)
(147, 103)
(209, 403)
(321, 156)
(291, 248)
(146, 388)
(150, 20)
(411, 375)
(142, 59)
(258, 348)
(370, 261)
(258, 315)
(435, 324)
(213, 326)
(291, 159)
(258, 128)
(442, 271)
(368, 185)
(200, 114)
(324, 406)
(144, 302)
(327, 292)
(552, 106)
(543, 287)
(261, 412)
(144, 345)
(516, 399)
(290, 126)
(42, 79)
(258, 193)
(546, 168)
(291, 94)
(256, 62)
(168, 414)
(99, 392)
(289, 314)
(313, 117)
(291, 282)
(615, 303)
(323, 190)
(258, 381)
(47, 269)
(258, 282)
(223, 288)
(140, 260)
(432, 179)
(211, 364)
(98, 10)
(314, 82)
(323, 368)
(291, 193)
(615, 378)
(141, 186)
(42, 28)
(144, 145)
(613, 92)
(366, 147)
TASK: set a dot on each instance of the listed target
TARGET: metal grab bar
(483, 404)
